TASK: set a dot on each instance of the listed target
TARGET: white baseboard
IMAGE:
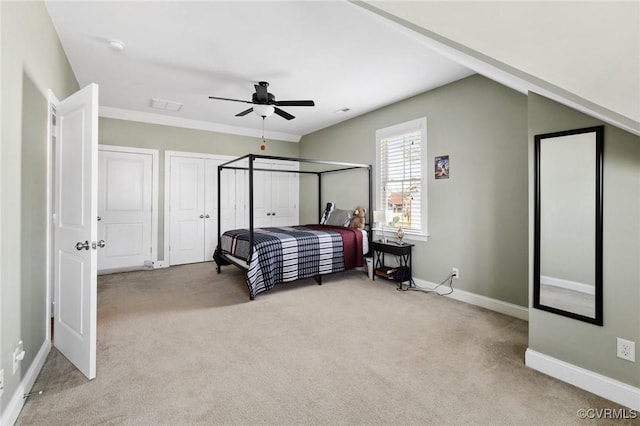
(12, 411)
(595, 383)
(506, 308)
(124, 269)
(570, 285)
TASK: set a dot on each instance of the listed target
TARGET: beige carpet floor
(184, 345)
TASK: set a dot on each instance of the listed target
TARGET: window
(401, 176)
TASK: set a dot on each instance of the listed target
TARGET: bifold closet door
(193, 209)
(284, 190)
(274, 200)
(262, 199)
(233, 201)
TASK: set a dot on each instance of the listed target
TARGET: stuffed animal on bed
(358, 218)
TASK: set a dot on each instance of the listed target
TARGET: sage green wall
(477, 218)
(168, 138)
(33, 256)
(579, 343)
(32, 62)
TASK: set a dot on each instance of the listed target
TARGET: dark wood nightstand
(402, 253)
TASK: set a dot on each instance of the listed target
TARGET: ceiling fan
(265, 103)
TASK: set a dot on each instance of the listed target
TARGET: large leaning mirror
(568, 223)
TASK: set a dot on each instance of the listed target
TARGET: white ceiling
(333, 52)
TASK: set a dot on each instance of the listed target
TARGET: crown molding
(167, 120)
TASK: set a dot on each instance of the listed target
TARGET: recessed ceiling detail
(116, 45)
(167, 105)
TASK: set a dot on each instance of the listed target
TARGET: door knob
(101, 244)
(201, 216)
(268, 214)
(80, 246)
(207, 216)
(99, 218)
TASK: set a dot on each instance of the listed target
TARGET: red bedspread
(352, 242)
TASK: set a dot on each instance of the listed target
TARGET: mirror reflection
(568, 225)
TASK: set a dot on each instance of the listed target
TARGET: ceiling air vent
(168, 105)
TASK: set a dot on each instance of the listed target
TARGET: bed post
(219, 220)
(251, 158)
(370, 208)
(320, 209)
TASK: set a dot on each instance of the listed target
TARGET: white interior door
(228, 197)
(275, 196)
(242, 199)
(261, 198)
(124, 208)
(75, 229)
(187, 210)
(284, 190)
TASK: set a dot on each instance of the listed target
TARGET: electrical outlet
(18, 355)
(626, 349)
(455, 273)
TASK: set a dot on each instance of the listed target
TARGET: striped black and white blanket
(285, 254)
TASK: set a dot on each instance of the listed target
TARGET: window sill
(408, 236)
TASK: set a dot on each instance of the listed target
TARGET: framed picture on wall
(441, 167)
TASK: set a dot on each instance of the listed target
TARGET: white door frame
(52, 100)
(155, 173)
(167, 190)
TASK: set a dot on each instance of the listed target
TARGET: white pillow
(340, 217)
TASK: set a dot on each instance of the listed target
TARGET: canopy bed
(274, 255)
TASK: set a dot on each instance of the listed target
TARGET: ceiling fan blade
(245, 112)
(229, 99)
(283, 114)
(261, 93)
(294, 103)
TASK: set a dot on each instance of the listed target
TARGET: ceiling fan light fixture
(263, 110)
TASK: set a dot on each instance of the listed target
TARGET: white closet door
(275, 196)
(227, 201)
(283, 199)
(261, 198)
(124, 208)
(187, 210)
(241, 200)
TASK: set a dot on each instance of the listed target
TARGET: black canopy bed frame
(220, 255)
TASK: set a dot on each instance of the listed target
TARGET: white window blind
(400, 174)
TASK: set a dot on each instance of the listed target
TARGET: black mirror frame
(599, 133)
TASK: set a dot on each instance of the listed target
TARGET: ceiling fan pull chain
(263, 147)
